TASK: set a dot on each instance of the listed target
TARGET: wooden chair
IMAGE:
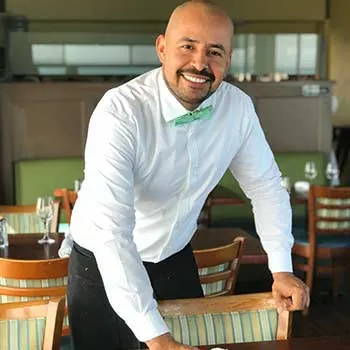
(23, 218)
(328, 238)
(25, 280)
(34, 325)
(68, 198)
(218, 267)
(225, 319)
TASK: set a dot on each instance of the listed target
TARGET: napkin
(66, 246)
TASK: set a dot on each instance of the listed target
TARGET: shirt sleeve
(256, 171)
(104, 218)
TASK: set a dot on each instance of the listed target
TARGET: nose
(200, 60)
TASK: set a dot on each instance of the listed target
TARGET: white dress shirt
(146, 181)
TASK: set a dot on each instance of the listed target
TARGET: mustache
(203, 72)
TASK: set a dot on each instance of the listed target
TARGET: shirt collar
(171, 108)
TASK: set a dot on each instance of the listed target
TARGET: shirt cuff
(280, 262)
(149, 326)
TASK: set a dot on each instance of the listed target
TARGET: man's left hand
(290, 293)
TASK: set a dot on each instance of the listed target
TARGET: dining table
(214, 237)
(304, 343)
(25, 246)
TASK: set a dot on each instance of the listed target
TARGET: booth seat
(39, 177)
(292, 165)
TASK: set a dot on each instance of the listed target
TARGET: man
(150, 163)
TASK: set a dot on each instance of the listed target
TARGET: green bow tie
(202, 113)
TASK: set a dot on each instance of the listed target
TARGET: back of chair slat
(328, 210)
(218, 267)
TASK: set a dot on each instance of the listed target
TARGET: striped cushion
(333, 213)
(23, 223)
(9, 282)
(229, 327)
(22, 334)
(215, 287)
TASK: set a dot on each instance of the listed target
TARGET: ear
(160, 47)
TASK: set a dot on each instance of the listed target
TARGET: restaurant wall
(339, 58)
(159, 10)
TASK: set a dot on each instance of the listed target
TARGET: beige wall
(339, 58)
(159, 10)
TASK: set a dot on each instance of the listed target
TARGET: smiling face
(195, 52)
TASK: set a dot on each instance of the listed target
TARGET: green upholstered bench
(291, 164)
(39, 177)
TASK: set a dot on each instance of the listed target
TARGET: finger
(298, 302)
(280, 305)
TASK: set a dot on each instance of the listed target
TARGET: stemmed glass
(310, 170)
(45, 209)
(332, 173)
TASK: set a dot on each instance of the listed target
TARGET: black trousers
(93, 322)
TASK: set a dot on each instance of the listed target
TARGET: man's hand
(166, 342)
(290, 293)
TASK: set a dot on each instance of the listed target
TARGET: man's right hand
(167, 342)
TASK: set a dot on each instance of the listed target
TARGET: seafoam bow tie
(202, 113)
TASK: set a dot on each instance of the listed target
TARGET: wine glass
(310, 170)
(332, 173)
(45, 209)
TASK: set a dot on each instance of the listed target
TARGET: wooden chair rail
(30, 292)
(216, 256)
(198, 306)
(33, 269)
(215, 277)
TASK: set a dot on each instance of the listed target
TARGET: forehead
(202, 27)
(203, 32)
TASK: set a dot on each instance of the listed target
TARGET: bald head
(195, 8)
(195, 51)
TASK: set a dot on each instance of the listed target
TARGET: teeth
(193, 79)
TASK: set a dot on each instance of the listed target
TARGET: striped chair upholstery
(23, 286)
(333, 213)
(40, 283)
(23, 218)
(23, 223)
(218, 267)
(214, 287)
(221, 328)
(31, 325)
(22, 334)
(225, 319)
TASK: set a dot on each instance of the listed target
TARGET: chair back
(25, 280)
(23, 218)
(67, 198)
(218, 267)
(329, 211)
(225, 319)
(35, 325)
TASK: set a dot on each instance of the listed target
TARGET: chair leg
(309, 280)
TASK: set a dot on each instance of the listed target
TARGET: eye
(215, 53)
(187, 47)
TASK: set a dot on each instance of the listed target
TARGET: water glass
(45, 209)
(332, 174)
(310, 170)
(285, 182)
(4, 241)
